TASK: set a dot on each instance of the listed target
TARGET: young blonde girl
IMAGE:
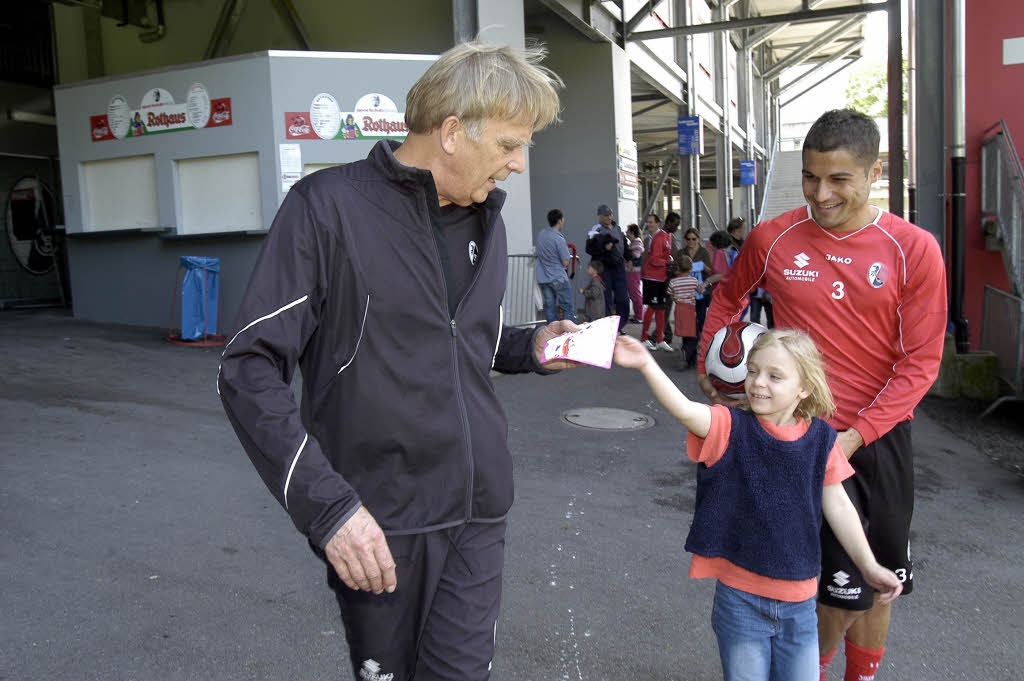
(766, 474)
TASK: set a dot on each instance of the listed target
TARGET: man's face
(836, 186)
(605, 220)
(652, 224)
(477, 164)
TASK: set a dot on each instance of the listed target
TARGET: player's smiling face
(836, 186)
(773, 385)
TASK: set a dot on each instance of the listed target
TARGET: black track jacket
(398, 410)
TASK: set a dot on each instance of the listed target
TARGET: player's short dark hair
(554, 215)
(655, 216)
(672, 218)
(597, 265)
(734, 224)
(845, 129)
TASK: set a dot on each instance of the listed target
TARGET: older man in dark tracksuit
(383, 280)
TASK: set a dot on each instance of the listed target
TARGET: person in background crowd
(701, 259)
(635, 246)
(607, 243)
(683, 290)
(672, 221)
(658, 256)
(552, 259)
(593, 293)
(737, 229)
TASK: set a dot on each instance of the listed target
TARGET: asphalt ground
(138, 543)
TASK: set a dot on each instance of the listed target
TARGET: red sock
(825, 660)
(862, 664)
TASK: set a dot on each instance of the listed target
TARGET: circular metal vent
(606, 418)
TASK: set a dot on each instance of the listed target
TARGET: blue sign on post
(691, 135)
(748, 172)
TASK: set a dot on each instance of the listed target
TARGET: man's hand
(547, 333)
(704, 381)
(850, 441)
(360, 555)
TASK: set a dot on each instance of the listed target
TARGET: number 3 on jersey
(838, 290)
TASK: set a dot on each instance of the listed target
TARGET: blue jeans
(762, 639)
(558, 293)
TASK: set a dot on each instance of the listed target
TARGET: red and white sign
(158, 112)
(100, 128)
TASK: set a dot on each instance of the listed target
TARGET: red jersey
(873, 300)
(658, 255)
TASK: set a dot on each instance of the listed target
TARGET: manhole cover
(606, 418)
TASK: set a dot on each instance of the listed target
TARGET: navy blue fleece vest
(759, 506)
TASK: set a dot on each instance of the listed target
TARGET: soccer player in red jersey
(870, 289)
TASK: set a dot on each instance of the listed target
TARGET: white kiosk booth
(196, 159)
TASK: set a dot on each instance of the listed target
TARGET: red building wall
(994, 91)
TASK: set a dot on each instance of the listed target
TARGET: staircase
(784, 191)
(1002, 208)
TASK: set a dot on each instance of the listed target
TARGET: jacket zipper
(458, 383)
(464, 415)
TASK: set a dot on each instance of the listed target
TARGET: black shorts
(440, 622)
(654, 293)
(882, 490)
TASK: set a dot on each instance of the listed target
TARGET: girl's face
(773, 384)
(592, 272)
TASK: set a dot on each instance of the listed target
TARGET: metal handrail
(1002, 200)
(707, 211)
(768, 180)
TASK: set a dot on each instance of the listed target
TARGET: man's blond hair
(476, 81)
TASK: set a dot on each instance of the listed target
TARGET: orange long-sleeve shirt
(874, 301)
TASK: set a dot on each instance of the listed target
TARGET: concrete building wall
(574, 162)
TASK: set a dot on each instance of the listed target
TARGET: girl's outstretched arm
(694, 415)
(845, 523)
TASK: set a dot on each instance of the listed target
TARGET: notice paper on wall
(592, 344)
(291, 165)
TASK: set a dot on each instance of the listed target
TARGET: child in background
(765, 476)
(682, 288)
(594, 292)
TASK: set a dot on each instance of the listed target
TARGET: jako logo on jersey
(878, 274)
(371, 672)
(801, 260)
(839, 259)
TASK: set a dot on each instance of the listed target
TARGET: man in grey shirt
(552, 259)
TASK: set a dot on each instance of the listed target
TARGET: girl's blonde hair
(809, 365)
(477, 81)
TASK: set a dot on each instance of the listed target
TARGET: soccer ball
(726, 360)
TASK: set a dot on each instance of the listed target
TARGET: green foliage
(867, 89)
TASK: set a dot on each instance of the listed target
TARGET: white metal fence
(522, 295)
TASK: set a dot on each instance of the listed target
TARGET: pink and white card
(592, 344)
